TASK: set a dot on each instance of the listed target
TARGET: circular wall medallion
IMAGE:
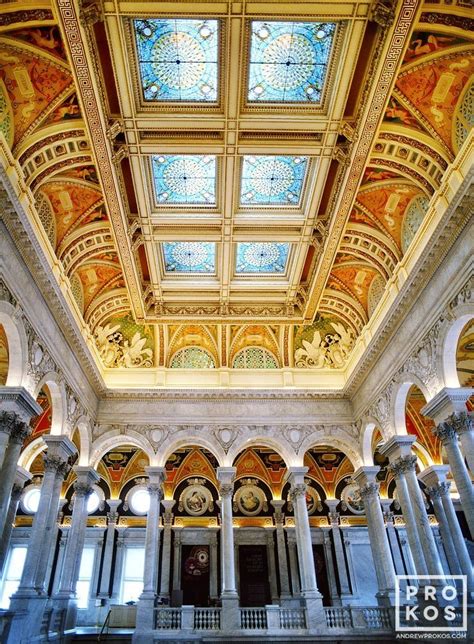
(196, 500)
(351, 496)
(156, 435)
(294, 435)
(250, 500)
(226, 435)
(312, 499)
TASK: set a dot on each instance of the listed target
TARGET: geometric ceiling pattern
(218, 187)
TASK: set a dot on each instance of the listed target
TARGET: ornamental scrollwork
(116, 351)
(332, 351)
(402, 465)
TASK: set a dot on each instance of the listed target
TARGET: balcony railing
(207, 619)
(253, 619)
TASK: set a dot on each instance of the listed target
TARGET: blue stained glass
(261, 257)
(178, 59)
(288, 61)
(189, 257)
(272, 180)
(185, 179)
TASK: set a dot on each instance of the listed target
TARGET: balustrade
(207, 619)
(338, 617)
(292, 618)
(168, 619)
(253, 619)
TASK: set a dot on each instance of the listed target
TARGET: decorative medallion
(351, 499)
(288, 61)
(188, 179)
(313, 500)
(272, 180)
(178, 59)
(261, 257)
(250, 499)
(196, 499)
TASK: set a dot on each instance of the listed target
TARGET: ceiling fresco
(227, 153)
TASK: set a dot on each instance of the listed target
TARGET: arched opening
(465, 359)
(4, 358)
(429, 446)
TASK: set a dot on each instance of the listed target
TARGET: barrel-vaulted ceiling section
(233, 184)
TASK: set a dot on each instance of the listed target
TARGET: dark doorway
(321, 573)
(253, 568)
(195, 575)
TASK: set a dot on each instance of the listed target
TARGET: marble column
(309, 588)
(331, 570)
(146, 603)
(366, 479)
(29, 602)
(106, 575)
(438, 488)
(18, 433)
(166, 552)
(446, 432)
(346, 594)
(393, 449)
(294, 569)
(86, 478)
(272, 567)
(229, 595)
(392, 537)
(448, 411)
(446, 538)
(213, 564)
(21, 477)
(279, 518)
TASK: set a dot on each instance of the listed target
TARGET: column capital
(86, 474)
(366, 474)
(278, 514)
(446, 433)
(448, 401)
(295, 475)
(387, 512)
(402, 464)
(434, 474)
(19, 431)
(333, 514)
(112, 515)
(398, 446)
(168, 505)
(156, 476)
(226, 476)
(369, 490)
(60, 446)
(20, 401)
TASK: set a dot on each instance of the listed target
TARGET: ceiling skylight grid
(184, 179)
(272, 180)
(178, 59)
(288, 61)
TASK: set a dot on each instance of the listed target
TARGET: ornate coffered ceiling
(234, 184)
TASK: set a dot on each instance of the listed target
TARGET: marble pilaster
(365, 477)
(281, 549)
(344, 584)
(166, 552)
(177, 558)
(294, 569)
(229, 596)
(272, 567)
(106, 576)
(213, 565)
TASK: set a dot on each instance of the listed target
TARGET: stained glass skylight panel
(261, 257)
(178, 59)
(272, 180)
(288, 61)
(189, 257)
(185, 179)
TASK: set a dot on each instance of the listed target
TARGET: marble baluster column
(272, 567)
(29, 602)
(21, 477)
(106, 575)
(18, 433)
(309, 588)
(279, 518)
(229, 595)
(392, 449)
(366, 477)
(166, 552)
(392, 537)
(294, 568)
(146, 603)
(438, 485)
(213, 566)
(64, 600)
(346, 594)
(446, 432)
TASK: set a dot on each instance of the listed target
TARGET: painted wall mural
(123, 343)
